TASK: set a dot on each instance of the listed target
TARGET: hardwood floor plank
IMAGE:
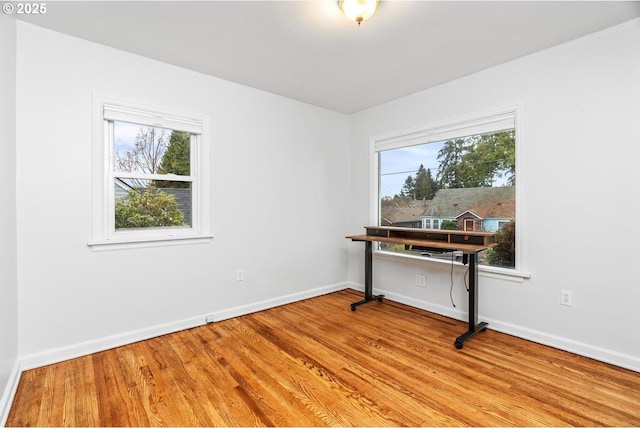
(80, 399)
(220, 404)
(554, 378)
(115, 404)
(28, 397)
(330, 372)
(53, 396)
(237, 404)
(179, 396)
(317, 363)
(323, 341)
(303, 369)
(266, 370)
(366, 345)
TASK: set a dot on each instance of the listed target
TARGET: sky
(397, 164)
(124, 136)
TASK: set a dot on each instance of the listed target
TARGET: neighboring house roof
(393, 213)
(183, 199)
(485, 202)
(494, 209)
(121, 188)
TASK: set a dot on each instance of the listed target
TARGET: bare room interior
(292, 213)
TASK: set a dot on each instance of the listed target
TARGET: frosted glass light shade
(359, 10)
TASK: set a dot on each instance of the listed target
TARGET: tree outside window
(151, 176)
(453, 184)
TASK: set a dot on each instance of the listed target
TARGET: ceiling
(308, 50)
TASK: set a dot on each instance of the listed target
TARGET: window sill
(484, 271)
(127, 243)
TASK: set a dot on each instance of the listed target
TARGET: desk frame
(470, 257)
(368, 278)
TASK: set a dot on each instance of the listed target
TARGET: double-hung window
(456, 175)
(150, 177)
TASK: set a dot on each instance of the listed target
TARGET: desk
(470, 243)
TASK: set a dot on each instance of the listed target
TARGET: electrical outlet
(421, 281)
(240, 275)
(565, 297)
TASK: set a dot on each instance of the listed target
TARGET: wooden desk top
(453, 240)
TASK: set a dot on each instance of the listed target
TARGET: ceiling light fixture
(359, 10)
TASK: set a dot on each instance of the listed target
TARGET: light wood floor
(316, 363)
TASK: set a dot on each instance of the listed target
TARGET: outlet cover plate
(565, 298)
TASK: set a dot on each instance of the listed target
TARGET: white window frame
(105, 237)
(507, 117)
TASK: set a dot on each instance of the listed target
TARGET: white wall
(582, 150)
(8, 263)
(278, 169)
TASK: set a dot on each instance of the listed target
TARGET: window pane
(463, 184)
(149, 203)
(149, 150)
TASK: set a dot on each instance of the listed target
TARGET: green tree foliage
(422, 186)
(449, 225)
(504, 252)
(477, 160)
(425, 186)
(151, 208)
(176, 159)
(408, 188)
(450, 168)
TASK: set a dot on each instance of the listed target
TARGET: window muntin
(420, 172)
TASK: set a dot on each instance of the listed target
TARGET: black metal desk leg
(474, 327)
(368, 277)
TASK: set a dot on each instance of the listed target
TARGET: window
(501, 224)
(150, 176)
(459, 175)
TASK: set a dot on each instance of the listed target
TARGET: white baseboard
(63, 353)
(626, 361)
(619, 359)
(9, 392)
(278, 301)
(92, 346)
